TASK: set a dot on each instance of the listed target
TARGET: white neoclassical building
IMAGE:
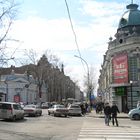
(21, 88)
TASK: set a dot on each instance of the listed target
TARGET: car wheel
(35, 114)
(65, 115)
(80, 114)
(136, 117)
(22, 117)
(14, 118)
(49, 113)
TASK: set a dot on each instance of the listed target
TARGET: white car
(32, 110)
(11, 111)
(134, 113)
(74, 109)
(58, 110)
(45, 105)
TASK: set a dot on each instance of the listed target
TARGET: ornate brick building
(119, 79)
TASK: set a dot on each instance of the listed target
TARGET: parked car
(134, 113)
(58, 110)
(45, 105)
(32, 110)
(22, 104)
(11, 111)
(74, 109)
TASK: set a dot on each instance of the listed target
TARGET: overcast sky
(44, 25)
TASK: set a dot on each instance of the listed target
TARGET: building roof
(131, 17)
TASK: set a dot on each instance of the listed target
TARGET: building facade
(119, 79)
(21, 88)
(79, 96)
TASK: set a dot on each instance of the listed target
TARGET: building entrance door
(122, 93)
(124, 104)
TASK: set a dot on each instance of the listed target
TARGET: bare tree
(90, 81)
(53, 59)
(8, 10)
(42, 70)
(48, 69)
(31, 56)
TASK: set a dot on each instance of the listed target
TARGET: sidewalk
(93, 114)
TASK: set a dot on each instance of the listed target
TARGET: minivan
(11, 111)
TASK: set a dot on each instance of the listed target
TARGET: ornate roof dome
(131, 17)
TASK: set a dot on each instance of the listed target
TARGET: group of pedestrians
(111, 113)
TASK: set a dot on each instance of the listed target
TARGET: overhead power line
(74, 33)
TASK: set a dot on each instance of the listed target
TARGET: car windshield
(59, 106)
(30, 106)
(45, 104)
(75, 106)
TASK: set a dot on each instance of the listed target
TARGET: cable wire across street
(74, 33)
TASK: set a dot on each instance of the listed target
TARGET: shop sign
(120, 91)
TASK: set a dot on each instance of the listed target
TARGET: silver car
(45, 105)
(74, 109)
(58, 110)
(134, 113)
(10, 110)
(32, 110)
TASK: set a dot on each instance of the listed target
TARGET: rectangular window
(5, 106)
(133, 67)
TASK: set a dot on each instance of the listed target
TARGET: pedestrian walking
(107, 112)
(114, 111)
(87, 107)
(83, 109)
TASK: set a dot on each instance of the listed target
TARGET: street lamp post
(131, 82)
(6, 97)
(89, 90)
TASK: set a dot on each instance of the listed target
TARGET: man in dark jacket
(107, 112)
(114, 111)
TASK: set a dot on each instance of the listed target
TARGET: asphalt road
(41, 128)
(54, 128)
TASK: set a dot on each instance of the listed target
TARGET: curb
(94, 115)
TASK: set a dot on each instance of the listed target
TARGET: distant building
(20, 88)
(78, 94)
(119, 79)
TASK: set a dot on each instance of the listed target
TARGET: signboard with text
(120, 68)
(120, 91)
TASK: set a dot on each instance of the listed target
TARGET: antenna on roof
(131, 1)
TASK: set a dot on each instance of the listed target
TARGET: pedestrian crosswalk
(109, 133)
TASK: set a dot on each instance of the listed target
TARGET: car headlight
(130, 113)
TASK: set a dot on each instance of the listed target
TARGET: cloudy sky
(44, 25)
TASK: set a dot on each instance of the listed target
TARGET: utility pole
(89, 88)
(131, 82)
